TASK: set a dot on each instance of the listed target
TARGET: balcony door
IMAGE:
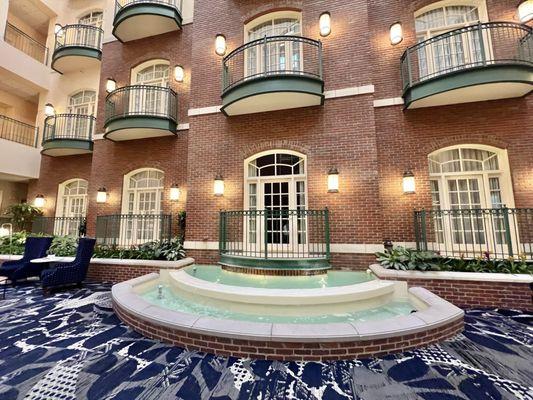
(81, 103)
(455, 51)
(276, 203)
(150, 101)
(276, 56)
(71, 207)
(90, 37)
(141, 207)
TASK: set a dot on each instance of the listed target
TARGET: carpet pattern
(72, 346)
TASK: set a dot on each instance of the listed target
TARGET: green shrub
(170, 250)
(401, 258)
(63, 246)
(18, 239)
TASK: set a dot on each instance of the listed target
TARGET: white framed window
(455, 51)
(82, 103)
(93, 18)
(90, 36)
(146, 100)
(71, 207)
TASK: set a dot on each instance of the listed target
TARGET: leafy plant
(23, 214)
(13, 245)
(63, 246)
(170, 250)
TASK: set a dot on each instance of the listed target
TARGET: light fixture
(110, 85)
(525, 11)
(57, 28)
(49, 110)
(39, 201)
(333, 180)
(101, 195)
(396, 33)
(220, 44)
(6, 229)
(218, 186)
(174, 193)
(325, 23)
(408, 182)
(179, 73)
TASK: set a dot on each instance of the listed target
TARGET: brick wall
(118, 273)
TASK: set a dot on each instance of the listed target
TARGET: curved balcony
(77, 47)
(138, 19)
(485, 61)
(141, 111)
(273, 73)
(68, 134)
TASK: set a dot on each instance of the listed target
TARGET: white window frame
(59, 226)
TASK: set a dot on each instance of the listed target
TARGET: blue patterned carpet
(72, 346)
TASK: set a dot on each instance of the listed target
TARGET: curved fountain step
(308, 297)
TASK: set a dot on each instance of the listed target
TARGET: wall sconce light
(408, 182)
(525, 11)
(396, 33)
(57, 28)
(333, 180)
(325, 23)
(39, 201)
(110, 85)
(6, 229)
(101, 195)
(179, 73)
(218, 186)
(49, 110)
(174, 193)
(220, 44)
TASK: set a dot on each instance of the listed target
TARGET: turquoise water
(173, 301)
(216, 274)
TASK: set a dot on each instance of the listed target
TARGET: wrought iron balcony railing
(25, 43)
(16, 131)
(79, 35)
(474, 46)
(496, 232)
(120, 4)
(60, 226)
(272, 56)
(275, 234)
(127, 230)
(141, 101)
(69, 127)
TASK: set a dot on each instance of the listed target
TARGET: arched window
(276, 184)
(277, 56)
(149, 100)
(456, 50)
(153, 72)
(93, 18)
(82, 103)
(90, 37)
(71, 207)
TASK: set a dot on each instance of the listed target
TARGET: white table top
(52, 259)
(3, 279)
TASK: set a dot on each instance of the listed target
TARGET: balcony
(59, 226)
(68, 134)
(127, 230)
(273, 73)
(485, 61)
(20, 40)
(138, 19)
(19, 132)
(471, 233)
(140, 112)
(77, 47)
(275, 239)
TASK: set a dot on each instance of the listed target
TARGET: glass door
(82, 103)
(90, 37)
(151, 101)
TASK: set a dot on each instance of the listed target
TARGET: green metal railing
(120, 4)
(16, 131)
(478, 45)
(60, 226)
(25, 43)
(272, 56)
(69, 127)
(497, 232)
(79, 35)
(127, 230)
(276, 234)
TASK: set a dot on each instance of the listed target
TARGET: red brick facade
(371, 147)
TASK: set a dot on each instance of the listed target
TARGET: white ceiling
(31, 12)
(17, 87)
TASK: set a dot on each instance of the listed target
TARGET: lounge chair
(73, 272)
(36, 247)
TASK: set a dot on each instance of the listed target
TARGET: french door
(141, 227)
(90, 37)
(82, 103)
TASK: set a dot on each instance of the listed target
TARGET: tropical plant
(63, 246)
(170, 250)
(23, 215)
(14, 244)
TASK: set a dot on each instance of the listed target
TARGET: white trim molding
(183, 127)
(200, 245)
(393, 101)
(349, 91)
(204, 110)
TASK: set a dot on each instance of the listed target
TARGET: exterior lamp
(101, 195)
(57, 28)
(174, 193)
(179, 73)
(525, 11)
(220, 44)
(218, 186)
(333, 180)
(110, 85)
(39, 201)
(396, 33)
(49, 110)
(408, 182)
(6, 229)
(325, 24)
